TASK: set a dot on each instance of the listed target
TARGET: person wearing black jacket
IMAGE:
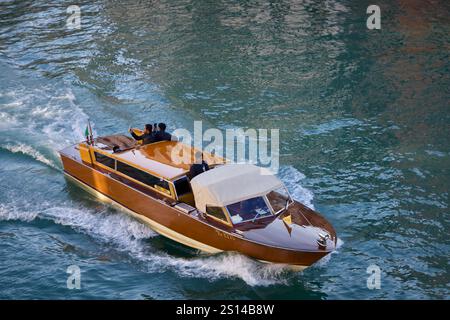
(147, 137)
(199, 166)
(161, 134)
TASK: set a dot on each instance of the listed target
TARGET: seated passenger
(199, 166)
(147, 137)
(161, 134)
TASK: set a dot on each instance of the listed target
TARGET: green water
(364, 130)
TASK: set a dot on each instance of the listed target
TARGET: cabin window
(248, 210)
(279, 199)
(143, 177)
(182, 186)
(216, 212)
(105, 160)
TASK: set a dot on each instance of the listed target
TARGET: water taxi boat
(231, 207)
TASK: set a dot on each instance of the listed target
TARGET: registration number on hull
(224, 235)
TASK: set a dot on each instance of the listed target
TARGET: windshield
(279, 199)
(250, 209)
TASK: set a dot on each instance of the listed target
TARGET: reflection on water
(363, 118)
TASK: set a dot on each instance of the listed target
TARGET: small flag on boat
(88, 134)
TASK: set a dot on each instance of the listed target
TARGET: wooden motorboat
(231, 207)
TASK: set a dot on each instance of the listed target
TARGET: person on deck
(161, 134)
(147, 137)
(199, 166)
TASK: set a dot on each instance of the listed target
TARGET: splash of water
(40, 121)
(30, 151)
(325, 260)
(13, 212)
(293, 181)
(226, 265)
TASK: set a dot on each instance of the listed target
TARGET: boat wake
(130, 237)
(30, 151)
(226, 265)
(38, 122)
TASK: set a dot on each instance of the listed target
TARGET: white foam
(61, 115)
(325, 260)
(226, 265)
(44, 118)
(104, 225)
(7, 120)
(30, 151)
(293, 179)
(14, 104)
(44, 114)
(10, 212)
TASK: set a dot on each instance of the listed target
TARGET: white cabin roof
(232, 183)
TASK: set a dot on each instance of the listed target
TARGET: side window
(162, 185)
(143, 177)
(105, 160)
(182, 186)
(216, 212)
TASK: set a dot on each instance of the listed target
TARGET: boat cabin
(239, 193)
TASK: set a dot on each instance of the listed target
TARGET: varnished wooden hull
(194, 231)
